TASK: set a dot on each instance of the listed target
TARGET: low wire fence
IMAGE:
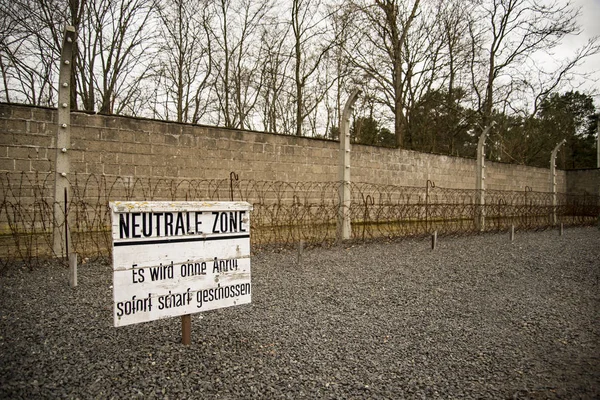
(284, 213)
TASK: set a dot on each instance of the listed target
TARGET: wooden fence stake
(72, 269)
(300, 251)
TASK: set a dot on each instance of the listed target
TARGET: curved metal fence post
(480, 179)
(344, 228)
(553, 179)
(598, 163)
(429, 184)
(63, 143)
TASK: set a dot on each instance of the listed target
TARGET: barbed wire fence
(284, 214)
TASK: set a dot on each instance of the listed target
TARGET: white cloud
(589, 22)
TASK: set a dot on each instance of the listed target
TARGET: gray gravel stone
(479, 317)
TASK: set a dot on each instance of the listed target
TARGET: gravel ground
(479, 317)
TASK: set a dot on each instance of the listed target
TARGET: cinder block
(39, 141)
(212, 133)
(92, 157)
(235, 135)
(87, 133)
(111, 169)
(124, 158)
(126, 136)
(109, 134)
(239, 146)
(170, 128)
(288, 150)
(157, 138)
(112, 122)
(191, 130)
(96, 169)
(258, 148)
(130, 123)
(223, 144)
(167, 151)
(16, 126)
(269, 148)
(23, 165)
(109, 158)
(187, 141)
(137, 148)
(101, 146)
(179, 162)
(6, 110)
(141, 137)
(78, 167)
(22, 113)
(6, 138)
(7, 164)
(184, 172)
(29, 152)
(222, 155)
(173, 171)
(171, 140)
(146, 159)
(207, 143)
(37, 128)
(88, 120)
(126, 169)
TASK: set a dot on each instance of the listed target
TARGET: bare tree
(311, 42)
(108, 57)
(378, 50)
(509, 37)
(31, 36)
(276, 62)
(454, 17)
(237, 59)
(185, 57)
(120, 35)
(426, 70)
(506, 35)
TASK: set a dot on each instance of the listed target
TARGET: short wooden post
(186, 329)
(300, 251)
(72, 269)
(512, 233)
(433, 240)
(561, 229)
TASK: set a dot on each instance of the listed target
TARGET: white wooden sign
(178, 258)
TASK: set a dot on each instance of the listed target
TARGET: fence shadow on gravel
(284, 214)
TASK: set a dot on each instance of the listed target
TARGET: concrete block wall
(139, 148)
(410, 168)
(27, 153)
(26, 142)
(584, 181)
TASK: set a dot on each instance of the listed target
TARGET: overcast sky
(589, 20)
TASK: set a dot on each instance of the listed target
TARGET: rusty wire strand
(284, 213)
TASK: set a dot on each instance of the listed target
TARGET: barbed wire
(284, 213)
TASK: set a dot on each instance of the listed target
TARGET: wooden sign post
(186, 329)
(179, 258)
